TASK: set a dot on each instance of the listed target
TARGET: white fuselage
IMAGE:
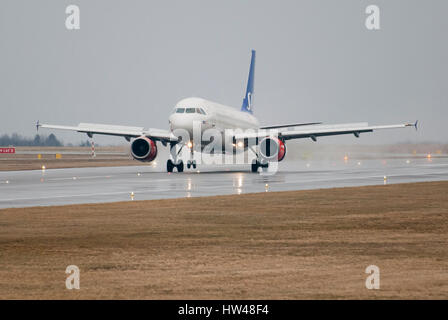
(210, 115)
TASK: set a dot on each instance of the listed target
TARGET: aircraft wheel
(188, 164)
(255, 166)
(180, 167)
(169, 166)
(194, 164)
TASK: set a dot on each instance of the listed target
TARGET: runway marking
(82, 178)
(75, 195)
(100, 194)
(362, 177)
(432, 165)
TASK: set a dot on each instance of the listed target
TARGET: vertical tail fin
(248, 98)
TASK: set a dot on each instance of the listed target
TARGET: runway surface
(109, 184)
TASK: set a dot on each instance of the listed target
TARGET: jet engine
(272, 149)
(144, 149)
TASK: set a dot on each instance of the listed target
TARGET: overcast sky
(131, 61)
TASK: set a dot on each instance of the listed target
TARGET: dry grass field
(286, 245)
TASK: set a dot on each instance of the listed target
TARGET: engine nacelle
(272, 149)
(144, 149)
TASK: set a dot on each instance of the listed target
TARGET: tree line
(16, 140)
(38, 140)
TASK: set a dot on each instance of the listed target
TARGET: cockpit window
(200, 111)
(190, 110)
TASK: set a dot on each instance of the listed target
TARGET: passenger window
(180, 110)
(190, 110)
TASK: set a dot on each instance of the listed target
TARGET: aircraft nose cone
(179, 122)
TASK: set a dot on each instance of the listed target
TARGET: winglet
(37, 125)
(248, 98)
(415, 125)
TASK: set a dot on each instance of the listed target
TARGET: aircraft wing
(290, 125)
(113, 130)
(314, 131)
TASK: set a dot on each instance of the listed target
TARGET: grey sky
(131, 61)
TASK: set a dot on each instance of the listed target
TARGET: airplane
(267, 147)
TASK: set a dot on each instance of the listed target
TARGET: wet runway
(109, 184)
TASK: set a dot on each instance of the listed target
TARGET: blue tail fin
(248, 98)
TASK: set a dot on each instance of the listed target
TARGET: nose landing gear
(191, 163)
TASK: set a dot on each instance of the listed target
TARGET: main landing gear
(175, 162)
(256, 164)
(170, 166)
(180, 166)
